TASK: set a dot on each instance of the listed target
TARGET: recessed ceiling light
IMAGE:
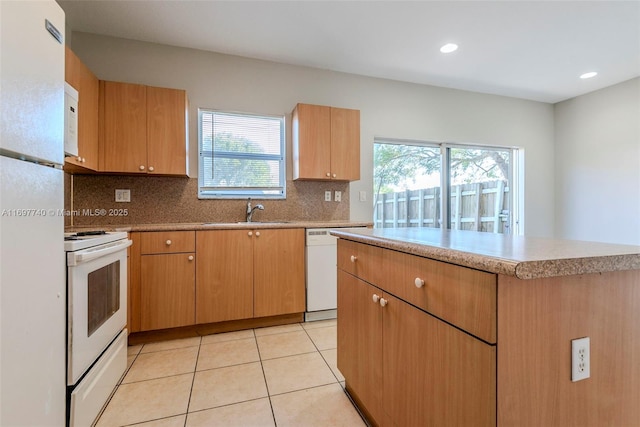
(588, 75)
(449, 47)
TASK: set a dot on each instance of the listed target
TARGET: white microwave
(70, 120)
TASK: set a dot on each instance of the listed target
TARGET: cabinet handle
(250, 234)
(150, 168)
(334, 175)
(257, 234)
(383, 302)
(141, 167)
(353, 258)
(168, 242)
(328, 174)
(190, 258)
(419, 282)
(375, 298)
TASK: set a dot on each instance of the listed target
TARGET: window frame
(209, 192)
(517, 177)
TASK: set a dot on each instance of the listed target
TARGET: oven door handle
(75, 258)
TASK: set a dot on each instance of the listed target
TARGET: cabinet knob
(250, 234)
(419, 282)
(190, 258)
(257, 234)
(328, 174)
(79, 159)
(334, 175)
(168, 242)
(383, 302)
(150, 168)
(353, 258)
(141, 167)
(375, 298)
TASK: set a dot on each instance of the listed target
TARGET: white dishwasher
(322, 289)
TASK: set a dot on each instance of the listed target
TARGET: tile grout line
(322, 356)
(264, 376)
(193, 380)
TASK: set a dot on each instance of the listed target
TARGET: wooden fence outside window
(481, 206)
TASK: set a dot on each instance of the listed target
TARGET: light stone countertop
(224, 226)
(523, 257)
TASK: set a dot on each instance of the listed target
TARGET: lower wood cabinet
(167, 288)
(162, 280)
(224, 276)
(183, 278)
(249, 273)
(407, 367)
(278, 272)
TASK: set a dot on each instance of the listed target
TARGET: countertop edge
(465, 259)
(534, 269)
(221, 226)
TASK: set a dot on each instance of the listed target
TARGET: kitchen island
(440, 327)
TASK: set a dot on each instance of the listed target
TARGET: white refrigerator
(32, 264)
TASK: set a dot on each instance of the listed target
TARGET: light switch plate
(363, 196)
(338, 196)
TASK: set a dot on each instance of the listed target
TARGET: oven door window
(103, 295)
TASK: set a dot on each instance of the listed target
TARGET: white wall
(388, 108)
(598, 165)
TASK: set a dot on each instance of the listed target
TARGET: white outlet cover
(580, 359)
(327, 196)
(123, 195)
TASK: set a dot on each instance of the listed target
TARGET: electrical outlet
(123, 195)
(338, 196)
(580, 359)
(327, 196)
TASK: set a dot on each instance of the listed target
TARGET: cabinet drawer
(164, 242)
(461, 296)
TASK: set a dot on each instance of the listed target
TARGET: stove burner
(90, 233)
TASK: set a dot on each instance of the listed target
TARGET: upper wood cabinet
(143, 129)
(86, 83)
(326, 143)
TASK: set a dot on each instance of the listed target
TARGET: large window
(462, 187)
(241, 155)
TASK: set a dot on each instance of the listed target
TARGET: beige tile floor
(277, 376)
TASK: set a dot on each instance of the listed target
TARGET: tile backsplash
(90, 200)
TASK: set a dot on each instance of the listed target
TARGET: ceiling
(526, 49)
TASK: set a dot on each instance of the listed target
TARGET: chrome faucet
(250, 209)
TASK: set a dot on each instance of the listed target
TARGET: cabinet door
(86, 83)
(434, 374)
(123, 127)
(88, 117)
(360, 342)
(71, 69)
(278, 266)
(166, 131)
(167, 290)
(312, 142)
(224, 275)
(345, 144)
